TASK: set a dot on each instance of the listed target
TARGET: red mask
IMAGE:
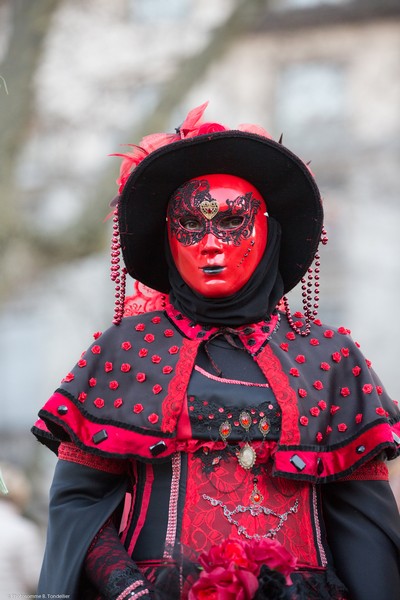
(217, 232)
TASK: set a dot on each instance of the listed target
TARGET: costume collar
(253, 336)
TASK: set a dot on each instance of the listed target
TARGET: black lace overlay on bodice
(207, 416)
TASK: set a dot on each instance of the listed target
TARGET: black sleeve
(81, 501)
(363, 531)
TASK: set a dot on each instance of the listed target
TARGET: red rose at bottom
(274, 555)
(224, 584)
(232, 568)
(227, 552)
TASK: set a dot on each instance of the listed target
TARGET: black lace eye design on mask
(236, 223)
(189, 225)
(186, 220)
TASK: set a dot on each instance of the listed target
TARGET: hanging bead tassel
(118, 275)
(310, 295)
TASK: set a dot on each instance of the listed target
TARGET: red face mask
(217, 232)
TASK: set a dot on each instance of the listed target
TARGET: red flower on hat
(356, 371)
(318, 385)
(156, 359)
(284, 346)
(322, 404)
(291, 335)
(140, 327)
(174, 350)
(314, 411)
(302, 393)
(138, 408)
(358, 418)
(108, 367)
(304, 420)
(167, 369)
(149, 338)
(314, 342)
(153, 418)
(156, 320)
(192, 126)
(113, 385)
(126, 345)
(99, 402)
(118, 402)
(209, 128)
(82, 397)
(300, 358)
(125, 367)
(325, 366)
(342, 427)
(82, 363)
(92, 381)
(294, 372)
(336, 357)
(143, 352)
(141, 377)
(157, 388)
(345, 391)
(96, 349)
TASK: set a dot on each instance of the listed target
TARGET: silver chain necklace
(255, 510)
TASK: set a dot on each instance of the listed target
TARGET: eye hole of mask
(191, 223)
(230, 222)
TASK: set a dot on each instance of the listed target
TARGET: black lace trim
(109, 567)
(312, 586)
(206, 420)
(120, 580)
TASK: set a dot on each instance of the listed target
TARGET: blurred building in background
(77, 80)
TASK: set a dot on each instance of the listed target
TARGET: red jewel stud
(245, 420)
(264, 426)
(225, 430)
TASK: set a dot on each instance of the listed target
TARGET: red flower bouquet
(231, 570)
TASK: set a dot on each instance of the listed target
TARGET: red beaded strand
(118, 275)
(310, 304)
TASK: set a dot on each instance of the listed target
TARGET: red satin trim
(284, 394)
(148, 485)
(176, 395)
(323, 466)
(120, 441)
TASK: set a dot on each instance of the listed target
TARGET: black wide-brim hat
(284, 181)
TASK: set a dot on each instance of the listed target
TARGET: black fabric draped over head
(254, 302)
